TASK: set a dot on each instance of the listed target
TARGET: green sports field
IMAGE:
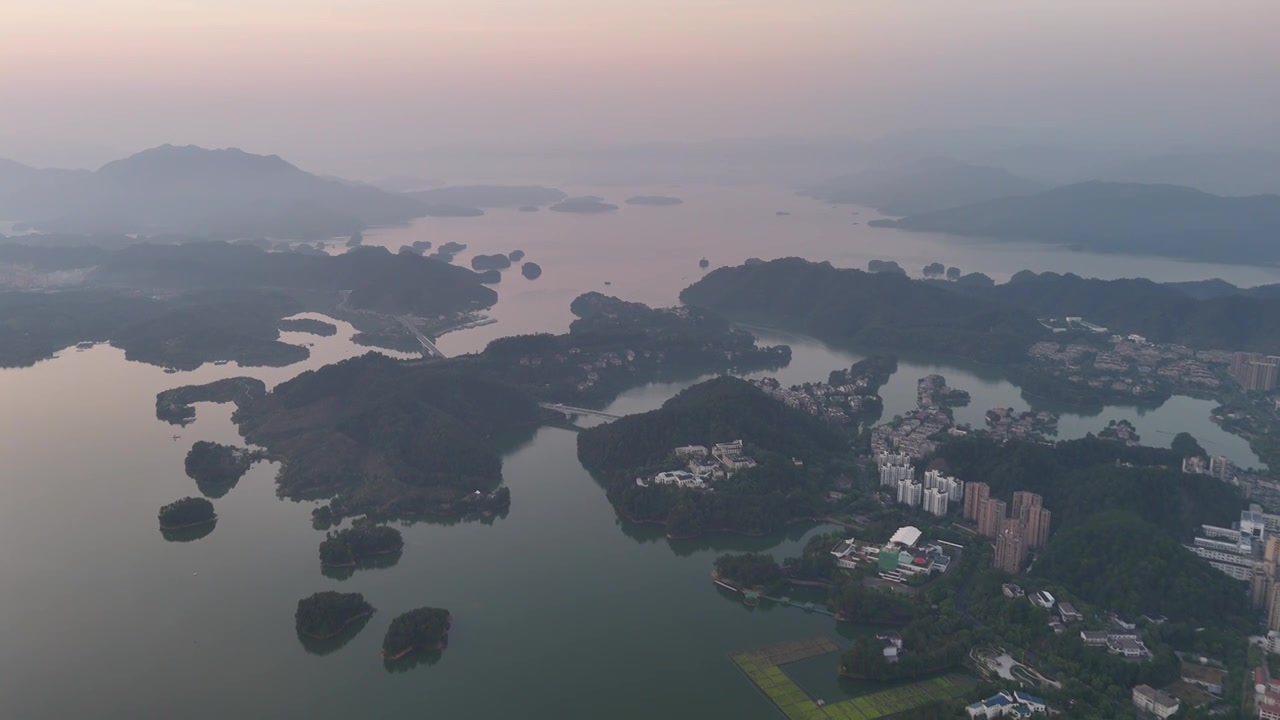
(796, 704)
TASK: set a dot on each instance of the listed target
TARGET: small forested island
(309, 325)
(885, 266)
(934, 269)
(490, 262)
(588, 204)
(704, 263)
(217, 468)
(720, 456)
(189, 512)
(325, 615)
(176, 406)
(362, 541)
(515, 255)
(425, 629)
(654, 200)
(531, 270)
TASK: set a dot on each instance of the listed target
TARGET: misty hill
(1132, 218)
(212, 193)
(14, 176)
(923, 186)
(490, 196)
(1238, 172)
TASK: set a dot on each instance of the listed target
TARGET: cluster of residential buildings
(1017, 528)
(1132, 365)
(703, 466)
(840, 404)
(897, 560)
(1007, 423)
(1255, 371)
(935, 494)
(1266, 694)
(25, 277)
(1248, 551)
(913, 435)
(1016, 704)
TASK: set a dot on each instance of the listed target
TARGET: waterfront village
(1018, 528)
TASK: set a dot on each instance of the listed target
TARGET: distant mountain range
(923, 186)
(190, 190)
(1111, 217)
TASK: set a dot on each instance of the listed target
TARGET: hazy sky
(334, 79)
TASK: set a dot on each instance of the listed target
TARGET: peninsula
(176, 406)
(217, 468)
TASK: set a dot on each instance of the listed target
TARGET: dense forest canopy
(420, 630)
(325, 614)
(183, 305)
(186, 512)
(1120, 561)
(361, 541)
(976, 321)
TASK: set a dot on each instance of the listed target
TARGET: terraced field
(762, 668)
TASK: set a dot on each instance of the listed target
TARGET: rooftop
(907, 536)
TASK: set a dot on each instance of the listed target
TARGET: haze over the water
(372, 87)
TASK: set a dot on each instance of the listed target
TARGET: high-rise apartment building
(990, 517)
(1028, 507)
(910, 492)
(1255, 371)
(1011, 548)
(975, 495)
(935, 501)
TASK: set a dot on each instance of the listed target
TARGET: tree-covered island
(425, 629)
(324, 615)
(186, 513)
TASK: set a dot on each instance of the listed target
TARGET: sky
(331, 81)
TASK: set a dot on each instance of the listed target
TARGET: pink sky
(267, 74)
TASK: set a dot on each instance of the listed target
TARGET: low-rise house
(691, 451)
(1068, 613)
(1094, 638)
(1208, 677)
(1006, 704)
(1127, 647)
(1157, 702)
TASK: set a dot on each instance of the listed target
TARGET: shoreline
(188, 526)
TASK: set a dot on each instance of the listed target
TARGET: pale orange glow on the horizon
(127, 72)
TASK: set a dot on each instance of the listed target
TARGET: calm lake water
(561, 611)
